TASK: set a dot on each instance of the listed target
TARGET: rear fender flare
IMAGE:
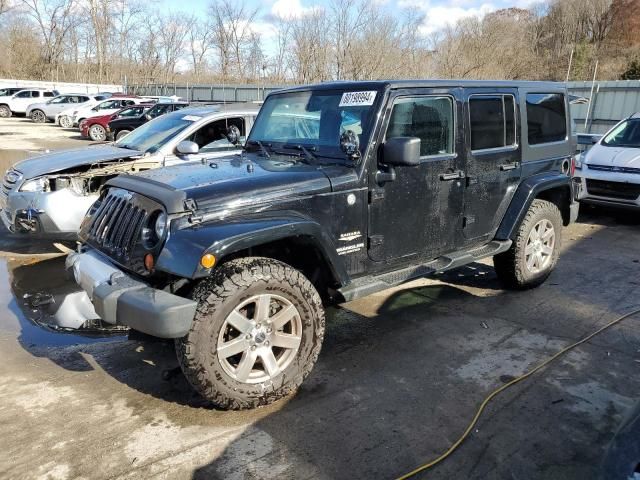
(527, 192)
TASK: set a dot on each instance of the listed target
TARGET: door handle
(508, 166)
(455, 175)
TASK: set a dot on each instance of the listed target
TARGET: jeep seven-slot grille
(117, 222)
(621, 190)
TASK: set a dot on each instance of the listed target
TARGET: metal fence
(610, 100)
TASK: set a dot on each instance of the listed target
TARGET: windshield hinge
(190, 204)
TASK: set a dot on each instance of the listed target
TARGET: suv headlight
(35, 185)
(161, 225)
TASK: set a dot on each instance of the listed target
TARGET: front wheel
(38, 116)
(256, 334)
(535, 249)
(121, 134)
(97, 133)
(5, 111)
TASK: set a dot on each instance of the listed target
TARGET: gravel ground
(398, 379)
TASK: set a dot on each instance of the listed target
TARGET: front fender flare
(527, 191)
(184, 248)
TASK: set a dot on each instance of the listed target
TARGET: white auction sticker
(191, 118)
(356, 99)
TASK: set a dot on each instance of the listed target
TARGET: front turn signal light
(208, 260)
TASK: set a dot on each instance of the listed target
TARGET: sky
(437, 13)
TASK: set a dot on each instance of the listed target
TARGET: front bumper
(44, 214)
(123, 300)
(613, 198)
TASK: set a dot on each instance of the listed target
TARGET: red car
(96, 128)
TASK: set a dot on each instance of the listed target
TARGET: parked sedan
(47, 196)
(610, 170)
(120, 127)
(96, 128)
(47, 111)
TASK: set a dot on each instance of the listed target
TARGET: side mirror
(594, 140)
(187, 148)
(401, 151)
(233, 134)
(148, 117)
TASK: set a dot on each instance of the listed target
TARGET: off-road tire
(511, 266)
(230, 284)
(38, 116)
(97, 133)
(5, 111)
(122, 133)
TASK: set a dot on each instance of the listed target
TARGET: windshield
(627, 134)
(315, 119)
(153, 135)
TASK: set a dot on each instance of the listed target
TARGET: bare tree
(201, 41)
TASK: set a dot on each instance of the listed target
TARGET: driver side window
(213, 136)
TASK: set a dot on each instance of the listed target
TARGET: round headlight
(161, 225)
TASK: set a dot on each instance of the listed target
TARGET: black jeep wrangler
(343, 189)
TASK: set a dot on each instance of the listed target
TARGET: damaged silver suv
(47, 196)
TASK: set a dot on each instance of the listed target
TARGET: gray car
(47, 196)
(47, 111)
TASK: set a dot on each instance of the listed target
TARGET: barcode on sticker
(352, 99)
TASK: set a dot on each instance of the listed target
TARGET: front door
(416, 212)
(492, 160)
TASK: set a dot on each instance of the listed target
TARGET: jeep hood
(233, 182)
(613, 156)
(66, 159)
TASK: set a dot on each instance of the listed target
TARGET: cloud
(290, 9)
(437, 17)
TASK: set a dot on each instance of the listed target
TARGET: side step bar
(363, 286)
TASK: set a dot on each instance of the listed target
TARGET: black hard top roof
(395, 84)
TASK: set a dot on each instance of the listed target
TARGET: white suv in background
(106, 107)
(610, 170)
(47, 111)
(19, 102)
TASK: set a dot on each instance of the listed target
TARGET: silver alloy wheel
(540, 245)
(38, 116)
(97, 133)
(65, 121)
(5, 112)
(259, 338)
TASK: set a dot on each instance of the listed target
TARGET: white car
(19, 102)
(47, 111)
(610, 170)
(106, 107)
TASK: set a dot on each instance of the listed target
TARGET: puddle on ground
(33, 294)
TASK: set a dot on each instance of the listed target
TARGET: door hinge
(376, 240)
(375, 195)
(468, 220)
(472, 181)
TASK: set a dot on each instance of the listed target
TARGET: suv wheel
(256, 334)
(535, 250)
(38, 116)
(122, 133)
(65, 121)
(97, 133)
(5, 111)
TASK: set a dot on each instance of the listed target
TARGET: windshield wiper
(311, 158)
(263, 149)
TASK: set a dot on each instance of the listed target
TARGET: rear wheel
(65, 121)
(535, 250)
(122, 133)
(256, 335)
(97, 133)
(38, 116)
(5, 111)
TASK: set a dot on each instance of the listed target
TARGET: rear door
(493, 155)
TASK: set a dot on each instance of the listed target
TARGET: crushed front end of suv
(343, 189)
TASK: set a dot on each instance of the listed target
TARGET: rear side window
(430, 118)
(492, 119)
(49, 94)
(546, 118)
